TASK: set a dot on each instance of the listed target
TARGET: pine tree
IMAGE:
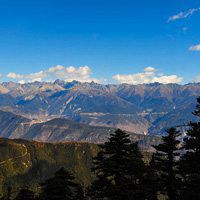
(25, 194)
(117, 169)
(151, 182)
(60, 187)
(100, 187)
(135, 171)
(79, 193)
(166, 164)
(190, 161)
(8, 194)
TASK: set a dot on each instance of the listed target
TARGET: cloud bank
(149, 75)
(183, 15)
(195, 48)
(197, 79)
(82, 74)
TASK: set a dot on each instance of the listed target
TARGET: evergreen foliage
(119, 169)
(190, 161)
(80, 195)
(25, 194)
(151, 181)
(8, 194)
(59, 187)
(166, 164)
(135, 173)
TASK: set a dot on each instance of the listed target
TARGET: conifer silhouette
(119, 169)
(167, 165)
(59, 187)
(190, 161)
(25, 194)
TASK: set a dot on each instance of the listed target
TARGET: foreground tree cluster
(60, 187)
(173, 172)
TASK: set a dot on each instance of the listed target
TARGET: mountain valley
(146, 109)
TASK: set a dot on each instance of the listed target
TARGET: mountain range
(60, 130)
(50, 125)
(146, 109)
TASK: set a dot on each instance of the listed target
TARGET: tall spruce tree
(80, 195)
(100, 187)
(135, 173)
(151, 181)
(60, 187)
(166, 164)
(25, 194)
(8, 195)
(190, 161)
(117, 169)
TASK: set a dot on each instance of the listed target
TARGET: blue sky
(116, 40)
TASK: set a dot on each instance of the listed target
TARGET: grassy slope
(28, 163)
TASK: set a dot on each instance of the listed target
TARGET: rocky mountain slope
(143, 109)
(12, 125)
(62, 130)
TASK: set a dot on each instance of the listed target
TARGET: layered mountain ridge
(142, 109)
(59, 130)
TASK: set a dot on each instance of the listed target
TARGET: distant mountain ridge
(62, 130)
(142, 109)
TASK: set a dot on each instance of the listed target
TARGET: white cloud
(55, 69)
(28, 77)
(182, 15)
(22, 81)
(82, 74)
(14, 75)
(197, 79)
(150, 75)
(150, 69)
(195, 48)
(168, 79)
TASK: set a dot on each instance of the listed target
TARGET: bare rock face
(13, 126)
